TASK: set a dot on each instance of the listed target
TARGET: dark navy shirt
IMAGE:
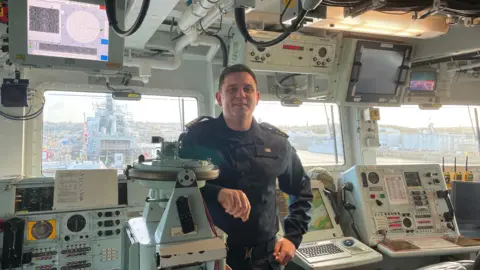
(251, 161)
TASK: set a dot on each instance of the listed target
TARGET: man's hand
(284, 251)
(235, 202)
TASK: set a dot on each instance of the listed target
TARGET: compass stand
(174, 230)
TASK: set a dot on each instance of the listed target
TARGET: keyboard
(320, 250)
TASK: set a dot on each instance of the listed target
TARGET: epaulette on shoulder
(274, 129)
(197, 120)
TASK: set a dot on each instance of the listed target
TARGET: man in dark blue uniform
(251, 157)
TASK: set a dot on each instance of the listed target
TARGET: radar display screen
(320, 217)
(413, 179)
(67, 29)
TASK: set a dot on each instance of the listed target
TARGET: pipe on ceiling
(194, 13)
(189, 38)
(145, 66)
(464, 67)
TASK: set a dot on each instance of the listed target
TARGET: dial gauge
(76, 223)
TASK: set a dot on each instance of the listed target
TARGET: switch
(372, 196)
(379, 203)
(428, 174)
(436, 181)
(108, 223)
(382, 196)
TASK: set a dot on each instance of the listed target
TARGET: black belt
(253, 252)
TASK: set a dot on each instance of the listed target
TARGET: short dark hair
(234, 69)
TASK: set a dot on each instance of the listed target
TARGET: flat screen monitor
(320, 218)
(423, 80)
(65, 33)
(466, 202)
(378, 73)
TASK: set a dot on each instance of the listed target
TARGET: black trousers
(258, 257)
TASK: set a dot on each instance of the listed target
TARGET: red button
(372, 196)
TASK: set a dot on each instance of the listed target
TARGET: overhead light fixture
(373, 22)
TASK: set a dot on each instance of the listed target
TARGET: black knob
(407, 222)
(379, 203)
(428, 174)
(117, 213)
(100, 233)
(100, 214)
(67, 238)
(322, 52)
(100, 224)
(117, 231)
(117, 222)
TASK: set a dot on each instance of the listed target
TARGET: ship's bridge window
(93, 131)
(409, 134)
(314, 129)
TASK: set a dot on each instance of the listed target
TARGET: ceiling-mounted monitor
(65, 34)
(378, 73)
(423, 81)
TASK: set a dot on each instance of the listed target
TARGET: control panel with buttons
(88, 239)
(296, 54)
(398, 201)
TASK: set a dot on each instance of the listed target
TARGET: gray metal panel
(459, 39)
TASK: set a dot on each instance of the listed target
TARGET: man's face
(238, 95)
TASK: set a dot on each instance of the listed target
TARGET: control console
(73, 240)
(45, 238)
(296, 54)
(401, 207)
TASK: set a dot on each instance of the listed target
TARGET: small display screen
(320, 217)
(292, 47)
(422, 80)
(67, 29)
(413, 179)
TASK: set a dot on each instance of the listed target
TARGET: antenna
(443, 164)
(455, 165)
(466, 164)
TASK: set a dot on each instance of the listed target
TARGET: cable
(224, 49)
(218, 30)
(354, 227)
(279, 84)
(111, 9)
(242, 27)
(26, 117)
(459, 8)
(223, 45)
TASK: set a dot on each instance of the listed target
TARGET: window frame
(33, 129)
